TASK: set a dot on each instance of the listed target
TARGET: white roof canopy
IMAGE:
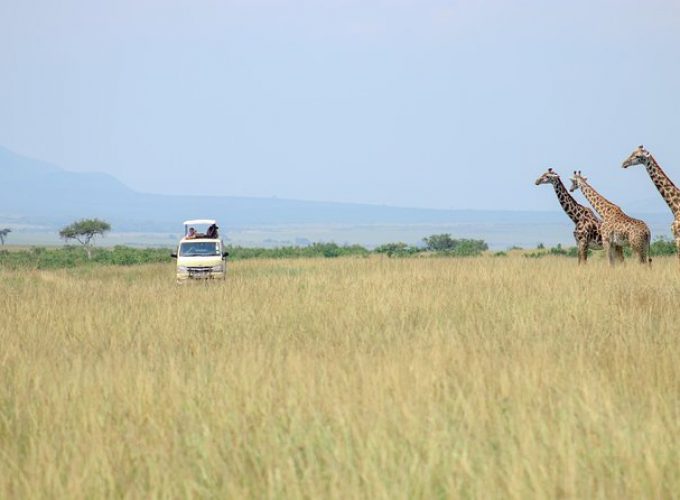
(199, 221)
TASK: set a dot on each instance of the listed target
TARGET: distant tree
(440, 242)
(444, 244)
(84, 232)
(4, 233)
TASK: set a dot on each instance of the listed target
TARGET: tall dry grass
(355, 378)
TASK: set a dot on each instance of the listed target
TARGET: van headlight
(218, 268)
(182, 269)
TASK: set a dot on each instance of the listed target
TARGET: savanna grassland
(370, 377)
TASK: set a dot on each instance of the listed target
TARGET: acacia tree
(4, 233)
(460, 247)
(84, 232)
(440, 242)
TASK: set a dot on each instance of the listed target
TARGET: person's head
(192, 230)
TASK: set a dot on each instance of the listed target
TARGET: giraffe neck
(602, 205)
(669, 192)
(573, 209)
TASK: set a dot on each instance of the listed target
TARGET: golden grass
(348, 378)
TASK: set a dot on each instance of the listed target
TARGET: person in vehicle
(191, 234)
(212, 231)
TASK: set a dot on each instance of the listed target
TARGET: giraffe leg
(640, 246)
(610, 250)
(675, 229)
(619, 255)
(583, 251)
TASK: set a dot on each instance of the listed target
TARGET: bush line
(72, 256)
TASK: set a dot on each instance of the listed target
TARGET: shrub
(396, 250)
(556, 250)
(443, 243)
(468, 248)
(662, 246)
(326, 250)
(70, 256)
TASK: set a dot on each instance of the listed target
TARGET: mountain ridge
(40, 192)
(37, 189)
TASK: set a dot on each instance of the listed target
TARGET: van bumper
(200, 276)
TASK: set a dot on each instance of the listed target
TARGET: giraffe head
(576, 181)
(549, 177)
(637, 157)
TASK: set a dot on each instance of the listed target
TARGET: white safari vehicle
(200, 253)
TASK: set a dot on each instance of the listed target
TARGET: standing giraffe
(587, 229)
(617, 228)
(669, 192)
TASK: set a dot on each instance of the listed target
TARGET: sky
(427, 103)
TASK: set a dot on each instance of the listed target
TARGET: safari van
(200, 253)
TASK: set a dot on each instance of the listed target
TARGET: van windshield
(199, 249)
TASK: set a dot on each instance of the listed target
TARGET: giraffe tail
(647, 257)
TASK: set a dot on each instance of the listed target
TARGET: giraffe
(587, 229)
(617, 228)
(669, 192)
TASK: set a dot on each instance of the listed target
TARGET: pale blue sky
(430, 103)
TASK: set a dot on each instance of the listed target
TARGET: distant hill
(35, 191)
(38, 193)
